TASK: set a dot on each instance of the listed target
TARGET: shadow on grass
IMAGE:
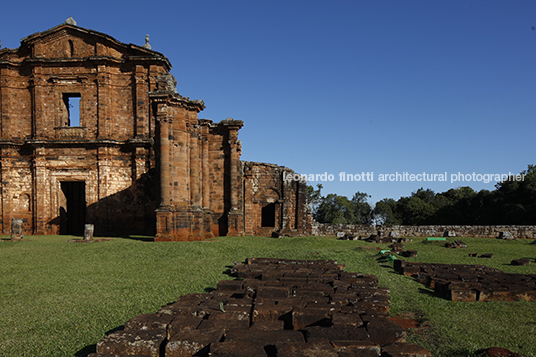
(428, 292)
(227, 271)
(139, 238)
(460, 352)
(84, 352)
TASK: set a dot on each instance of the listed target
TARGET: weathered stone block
(301, 349)
(148, 322)
(506, 235)
(520, 262)
(410, 270)
(467, 295)
(342, 333)
(384, 331)
(268, 325)
(273, 292)
(88, 232)
(405, 350)
(303, 317)
(266, 312)
(237, 349)
(230, 285)
(179, 307)
(189, 343)
(356, 348)
(141, 342)
(182, 322)
(351, 320)
(16, 229)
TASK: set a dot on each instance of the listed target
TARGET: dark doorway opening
(73, 215)
(268, 215)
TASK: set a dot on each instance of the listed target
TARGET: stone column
(235, 214)
(40, 208)
(233, 136)
(205, 177)
(195, 183)
(164, 215)
(205, 193)
(165, 179)
(182, 165)
(6, 203)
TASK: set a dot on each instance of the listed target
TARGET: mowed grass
(59, 298)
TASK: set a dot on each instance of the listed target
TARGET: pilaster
(235, 216)
(40, 206)
(140, 103)
(104, 102)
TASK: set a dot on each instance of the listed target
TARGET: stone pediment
(68, 41)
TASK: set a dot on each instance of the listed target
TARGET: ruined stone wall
(198, 163)
(219, 177)
(136, 160)
(16, 189)
(518, 232)
(272, 204)
(108, 148)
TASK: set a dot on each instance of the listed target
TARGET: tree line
(511, 202)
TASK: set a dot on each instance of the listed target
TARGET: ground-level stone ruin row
(367, 230)
(471, 282)
(277, 308)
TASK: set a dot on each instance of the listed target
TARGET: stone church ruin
(93, 130)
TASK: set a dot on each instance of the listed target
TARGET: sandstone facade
(135, 158)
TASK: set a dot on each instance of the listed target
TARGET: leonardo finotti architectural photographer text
(404, 177)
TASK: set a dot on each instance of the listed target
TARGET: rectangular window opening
(72, 103)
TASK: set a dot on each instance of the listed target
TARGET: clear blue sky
(342, 86)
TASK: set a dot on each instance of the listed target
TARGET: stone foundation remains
(471, 282)
(278, 307)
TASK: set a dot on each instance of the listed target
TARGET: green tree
(335, 209)
(416, 209)
(516, 199)
(386, 213)
(313, 197)
(362, 211)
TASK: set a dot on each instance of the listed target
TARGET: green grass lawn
(59, 298)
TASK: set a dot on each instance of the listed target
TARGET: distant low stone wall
(515, 232)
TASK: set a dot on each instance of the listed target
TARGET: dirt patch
(406, 322)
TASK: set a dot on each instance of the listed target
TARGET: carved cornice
(44, 143)
(232, 123)
(172, 98)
